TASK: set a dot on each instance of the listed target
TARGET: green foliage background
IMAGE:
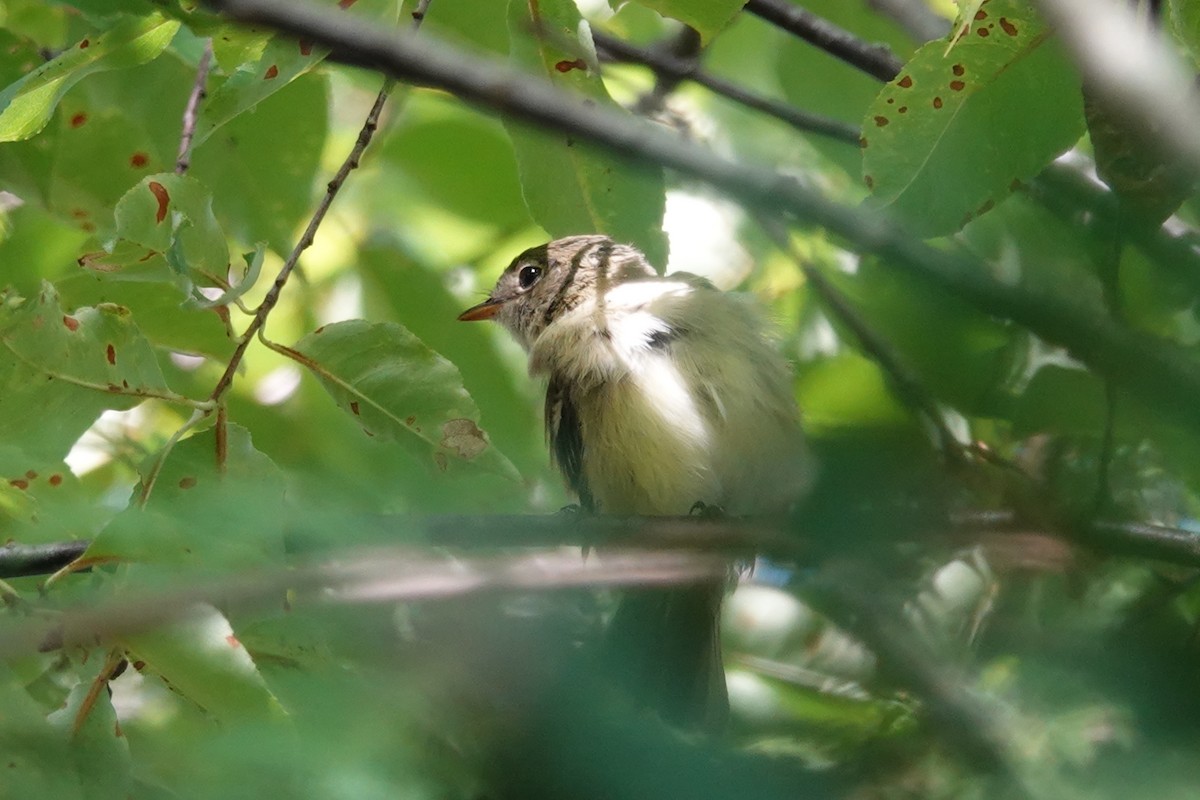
(126, 287)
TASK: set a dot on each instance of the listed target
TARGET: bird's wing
(565, 434)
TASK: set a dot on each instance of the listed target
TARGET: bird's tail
(664, 647)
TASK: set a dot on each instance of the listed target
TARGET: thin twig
(112, 666)
(848, 595)
(877, 60)
(351, 162)
(272, 297)
(678, 69)
(904, 380)
(183, 160)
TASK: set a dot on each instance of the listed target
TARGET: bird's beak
(485, 310)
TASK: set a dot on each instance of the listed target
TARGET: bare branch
(681, 70)
(184, 159)
(877, 60)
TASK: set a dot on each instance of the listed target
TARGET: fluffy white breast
(680, 398)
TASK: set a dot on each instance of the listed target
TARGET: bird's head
(546, 281)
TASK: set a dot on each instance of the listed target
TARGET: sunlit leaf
(26, 106)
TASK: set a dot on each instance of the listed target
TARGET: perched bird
(663, 392)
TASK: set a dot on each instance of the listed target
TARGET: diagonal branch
(877, 60)
(1162, 374)
(678, 69)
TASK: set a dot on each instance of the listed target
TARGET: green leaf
(708, 17)
(1060, 400)
(41, 500)
(571, 187)
(1185, 22)
(99, 749)
(955, 133)
(282, 61)
(37, 758)
(261, 167)
(202, 660)
(200, 515)
(847, 392)
(399, 389)
(172, 215)
(109, 131)
(26, 106)
(62, 370)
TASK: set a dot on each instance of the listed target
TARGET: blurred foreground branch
(726, 538)
(383, 575)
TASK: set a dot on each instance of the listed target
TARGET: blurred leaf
(462, 162)
(201, 515)
(26, 106)
(42, 500)
(261, 167)
(1185, 22)
(400, 389)
(202, 660)
(1150, 185)
(67, 368)
(948, 115)
(38, 760)
(847, 391)
(571, 187)
(99, 750)
(708, 17)
(1060, 400)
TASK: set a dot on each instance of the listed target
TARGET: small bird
(663, 393)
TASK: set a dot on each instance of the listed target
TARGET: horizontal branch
(728, 538)
(383, 575)
(24, 560)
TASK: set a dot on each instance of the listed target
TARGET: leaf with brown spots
(996, 110)
(568, 185)
(27, 105)
(388, 379)
(58, 375)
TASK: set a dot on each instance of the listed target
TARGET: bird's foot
(705, 510)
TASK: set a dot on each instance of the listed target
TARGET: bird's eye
(528, 276)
